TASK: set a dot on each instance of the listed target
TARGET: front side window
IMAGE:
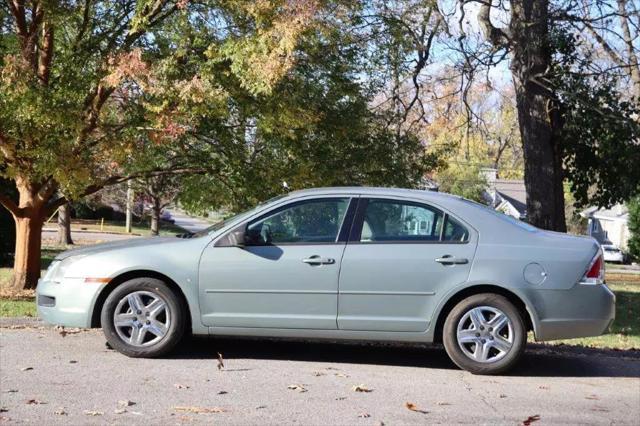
(307, 222)
(388, 220)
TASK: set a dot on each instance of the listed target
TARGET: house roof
(617, 212)
(514, 192)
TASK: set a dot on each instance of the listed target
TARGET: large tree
(85, 87)
(527, 39)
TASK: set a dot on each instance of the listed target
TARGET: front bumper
(582, 311)
(68, 303)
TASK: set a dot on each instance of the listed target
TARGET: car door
(286, 275)
(400, 256)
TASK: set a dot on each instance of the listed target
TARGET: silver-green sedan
(342, 263)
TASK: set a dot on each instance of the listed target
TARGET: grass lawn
(118, 227)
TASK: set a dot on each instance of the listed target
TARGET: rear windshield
(523, 225)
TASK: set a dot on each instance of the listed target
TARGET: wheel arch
(478, 289)
(129, 275)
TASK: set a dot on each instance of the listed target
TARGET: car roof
(370, 190)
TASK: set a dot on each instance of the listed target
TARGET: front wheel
(484, 334)
(143, 318)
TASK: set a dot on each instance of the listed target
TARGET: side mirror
(235, 238)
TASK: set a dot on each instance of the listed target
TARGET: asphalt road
(77, 375)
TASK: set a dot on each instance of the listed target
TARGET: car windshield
(524, 225)
(219, 225)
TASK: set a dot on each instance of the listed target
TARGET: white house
(608, 226)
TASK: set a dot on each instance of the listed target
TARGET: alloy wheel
(485, 334)
(142, 318)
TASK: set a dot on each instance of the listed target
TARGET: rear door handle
(317, 260)
(447, 259)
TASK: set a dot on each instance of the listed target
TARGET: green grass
(17, 308)
(118, 227)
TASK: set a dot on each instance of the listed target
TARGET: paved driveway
(77, 375)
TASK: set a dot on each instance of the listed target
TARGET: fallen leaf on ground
(92, 413)
(531, 419)
(299, 388)
(198, 410)
(220, 361)
(591, 397)
(60, 412)
(364, 415)
(222, 392)
(413, 407)
(125, 403)
(341, 375)
(35, 402)
(63, 331)
(361, 388)
(26, 368)
(119, 411)
(179, 386)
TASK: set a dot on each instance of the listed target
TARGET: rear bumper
(582, 311)
(68, 303)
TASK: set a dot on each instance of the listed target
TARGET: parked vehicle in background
(166, 216)
(613, 254)
(342, 263)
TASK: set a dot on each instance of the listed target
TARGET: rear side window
(395, 221)
(454, 231)
(388, 220)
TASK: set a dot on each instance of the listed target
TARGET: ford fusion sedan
(342, 263)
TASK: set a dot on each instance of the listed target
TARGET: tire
(492, 348)
(153, 329)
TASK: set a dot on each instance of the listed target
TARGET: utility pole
(129, 207)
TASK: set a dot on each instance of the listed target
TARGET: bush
(634, 227)
(82, 210)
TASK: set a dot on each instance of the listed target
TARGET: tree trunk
(26, 267)
(64, 225)
(155, 216)
(538, 114)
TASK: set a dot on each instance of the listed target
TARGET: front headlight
(51, 270)
(58, 268)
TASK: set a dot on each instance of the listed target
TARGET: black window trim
(358, 223)
(341, 238)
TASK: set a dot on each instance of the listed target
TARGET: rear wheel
(143, 317)
(484, 334)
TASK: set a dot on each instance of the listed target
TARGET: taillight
(595, 271)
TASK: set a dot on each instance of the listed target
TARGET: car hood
(114, 245)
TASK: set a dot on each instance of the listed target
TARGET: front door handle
(447, 259)
(317, 260)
